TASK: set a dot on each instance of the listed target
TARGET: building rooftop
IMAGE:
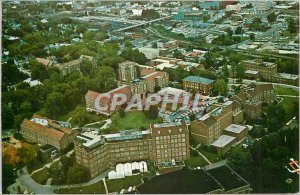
(287, 76)
(197, 79)
(222, 141)
(235, 128)
(254, 72)
(184, 181)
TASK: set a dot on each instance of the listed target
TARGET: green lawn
(115, 185)
(97, 188)
(285, 91)
(196, 161)
(288, 103)
(211, 156)
(132, 120)
(41, 177)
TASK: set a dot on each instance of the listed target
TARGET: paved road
(33, 186)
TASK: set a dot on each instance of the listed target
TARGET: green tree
(271, 17)
(225, 70)
(252, 36)
(239, 159)
(86, 67)
(240, 71)
(152, 113)
(121, 113)
(55, 105)
(220, 86)
(9, 176)
(7, 117)
(78, 174)
(292, 27)
(239, 30)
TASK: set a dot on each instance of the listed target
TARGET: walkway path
(49, 164)
(204, 157)
(105, 186)
(33, 186)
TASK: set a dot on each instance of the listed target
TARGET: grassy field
(97, 188)
(211, 156)
(132, 120)
(115, 185)
(288, 103)
(41, 177)
(196, 161)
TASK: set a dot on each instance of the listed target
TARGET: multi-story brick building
(147, 82)
(266, 69)
(198, 84)
(289, 79)
(92, 99)
(252, 97)
(170, 143)
(74, 65)
(100, 152)
(43, 131)
(127, 71)
(210, 127)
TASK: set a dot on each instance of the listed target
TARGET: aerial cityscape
(150, 97)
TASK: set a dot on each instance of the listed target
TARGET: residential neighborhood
(149, 97)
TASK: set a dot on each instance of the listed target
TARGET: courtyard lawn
(288, 103)
(41, 177)
(132, 120)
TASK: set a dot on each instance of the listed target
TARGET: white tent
(135, 166)
(145, 166)
(112, 175)
(120, 175)
(127, 169)
(120, 168)
(141, 167)
(120, 171)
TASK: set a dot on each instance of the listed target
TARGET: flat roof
(223, 141)
(184, 181)
(197, 79)
(251, 72)
(227, 177)
(235, 128)
(287, 76)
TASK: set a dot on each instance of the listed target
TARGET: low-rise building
(198, 84)
(93, 100)
(252, 97)
(238, 131)
(223, 143)
(74, 65)
(43, 131)
(266, 69)
(210, 126)
(289, 79)
(150, 53)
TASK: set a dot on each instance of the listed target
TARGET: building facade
(100, 152)
(253, 96)
(127, 71)
(209, 127)
(42, 130)
(198, 84)
(266, 69)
